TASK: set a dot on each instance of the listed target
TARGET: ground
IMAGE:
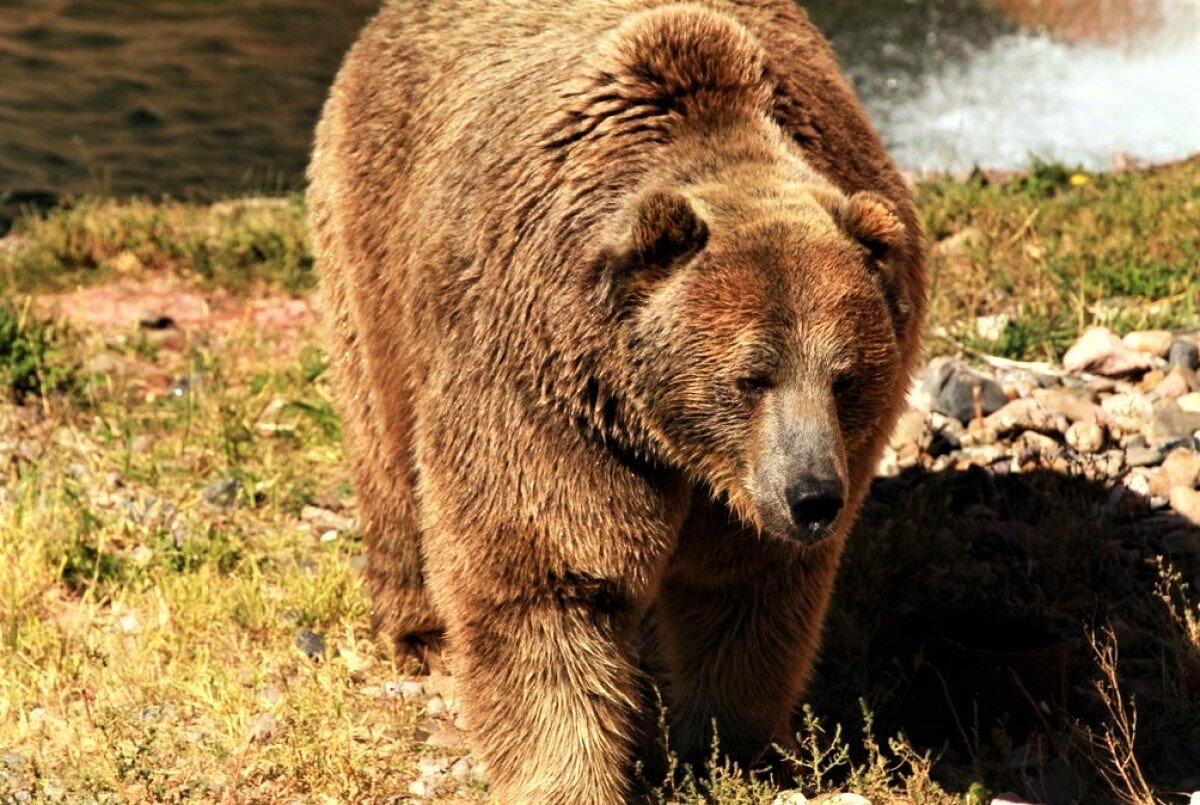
(183, 616)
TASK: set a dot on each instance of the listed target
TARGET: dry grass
(157, 559)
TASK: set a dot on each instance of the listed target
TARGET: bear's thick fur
(623, 298)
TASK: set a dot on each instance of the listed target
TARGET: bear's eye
(842, 385)
(755, 386)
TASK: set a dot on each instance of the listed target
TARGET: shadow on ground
(964, 609)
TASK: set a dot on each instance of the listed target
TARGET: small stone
(1174, 385)
(1190, 402)
(960, 243)
(432, 766)
(263, 727)
(1085, 437)
(1182, 467)
(222, 492)
(955, 387)
(1027, 414)
(1169, 422)
(1139, 456)
(1186, 503)
(1150, 342)
(1185, 354)
(911, 428)
(436, 706)
(311, 645)
(1130, 411)
(991, 328)
(1033, 446)
(1138, 483)
(418, 788)
(848, 798)
(410, 689)
(1076, 404)
(1152, 379)
(1101, 352)
(325, 520)
(790, 798)
(461, 770)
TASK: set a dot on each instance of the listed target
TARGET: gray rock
(311, 645)
(1185, 354)
(1139, 456)
(222, 492)
(954, 386)
(1170, 423)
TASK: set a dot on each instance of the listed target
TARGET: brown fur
(602, 279)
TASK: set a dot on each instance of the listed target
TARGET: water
(204, 99)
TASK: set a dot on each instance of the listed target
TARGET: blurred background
(205, 100)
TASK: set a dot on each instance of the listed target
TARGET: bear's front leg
(738, 623)
(543, 572)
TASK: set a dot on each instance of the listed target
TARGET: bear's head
(764, 350)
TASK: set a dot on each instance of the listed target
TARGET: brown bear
(623, 297)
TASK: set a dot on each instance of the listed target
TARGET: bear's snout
(800, 479)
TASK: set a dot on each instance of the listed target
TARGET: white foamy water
(1027, 94)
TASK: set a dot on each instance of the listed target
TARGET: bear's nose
(815, 503)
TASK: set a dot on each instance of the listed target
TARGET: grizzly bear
(623, 299)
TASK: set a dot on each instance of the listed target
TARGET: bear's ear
(665, 230)
(662, 231)
(867, 217)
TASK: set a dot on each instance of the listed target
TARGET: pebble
(1101, 352)
(461, 770)
(1150, 342)
(1129, 411)
(1190, 402)
(436, 706)
(1169, 422)
(955, 386)
(1140, 456)
(790, 798)
(263, 727)
(1185, 354)
(1174, 385)
(418, 788)
(311, 644)
(1026, 415)
(1186, 503)
(1182, 468)
(1085, 437)
(1077, 404)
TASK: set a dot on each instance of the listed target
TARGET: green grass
(1058, 250)
(155, 565)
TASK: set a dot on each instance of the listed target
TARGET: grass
(159, 555)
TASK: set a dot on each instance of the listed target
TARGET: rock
(263, 727)
(1130, 412)
(1150, 342)
(1077, 405)
(960, 243)
(1140, 456)
(1174, 385)
(418, 788)
(311, 645)
(222, 491)
(846, 798)
(1085, 437)
(1169, 422)
(954, 389)
(462, 771)
(911, 428)
(436, 706)
(790, 798)
(1151, 379)
(1026, 414)
(1190, 402)
(1033, 446)
(1182, 468)
(1186, 503)
(325, 520)
(1101, 352)
(991, 328)
(1185, 354)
